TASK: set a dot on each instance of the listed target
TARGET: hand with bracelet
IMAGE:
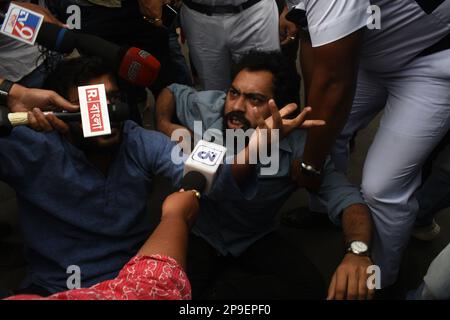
(306, 175)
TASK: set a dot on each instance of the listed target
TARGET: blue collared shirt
(234, 221)
(71, 213)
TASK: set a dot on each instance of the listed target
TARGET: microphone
(194, 180)
(139, 67)
(55, 38)
(133, 64)
(117, 112)
(202, 165)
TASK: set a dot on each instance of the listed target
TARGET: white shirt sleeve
(331, 20)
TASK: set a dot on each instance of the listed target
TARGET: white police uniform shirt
(406, 27)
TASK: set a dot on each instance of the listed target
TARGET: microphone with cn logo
(200, 169)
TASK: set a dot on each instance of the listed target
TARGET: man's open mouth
(234, 123)
(237, 121)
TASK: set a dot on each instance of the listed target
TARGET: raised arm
(165, 110)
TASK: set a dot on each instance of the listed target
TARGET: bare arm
(170, 237)
(331, 81)
(307, 63)
(165, 110)
(357, 224)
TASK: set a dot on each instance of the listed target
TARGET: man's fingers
(312, 123)
(32, 122)
(302, 115)
(332, 288)
(341, 285)
(42, 121)
(298, 120)
(58, 101)
(259, 119)
(352, 285)
(362, 285)
(276, 116)
(58, 124)
(305, 125)
(288, 109)
(370, 293)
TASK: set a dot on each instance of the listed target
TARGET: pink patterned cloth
(154, 277)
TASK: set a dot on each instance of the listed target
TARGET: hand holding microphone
(22, 99)
(48, 121)
(183, 204)
(200, 169)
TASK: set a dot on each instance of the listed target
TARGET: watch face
(359, 247)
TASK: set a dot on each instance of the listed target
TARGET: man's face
(108, 141)
(249, 90)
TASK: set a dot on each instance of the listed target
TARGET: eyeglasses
(255, 99)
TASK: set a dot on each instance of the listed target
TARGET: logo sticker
(22, 24)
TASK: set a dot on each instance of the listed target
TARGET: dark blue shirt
(71, 213)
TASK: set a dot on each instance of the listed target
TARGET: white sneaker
(426, 233)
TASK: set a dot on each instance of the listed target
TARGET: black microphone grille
(194, 180)
(119, 111)
(56, 38)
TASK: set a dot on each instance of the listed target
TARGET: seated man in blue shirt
(241, 233)
(83, 202)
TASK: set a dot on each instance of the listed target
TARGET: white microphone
(206, 160)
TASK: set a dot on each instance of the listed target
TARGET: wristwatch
(358, 248)
(5, 87)
(309, 170)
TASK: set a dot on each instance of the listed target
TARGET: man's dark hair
(75, 72)
(275, 63)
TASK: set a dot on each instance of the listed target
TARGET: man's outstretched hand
(279, 123)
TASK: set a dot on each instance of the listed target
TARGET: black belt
(210, 10)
